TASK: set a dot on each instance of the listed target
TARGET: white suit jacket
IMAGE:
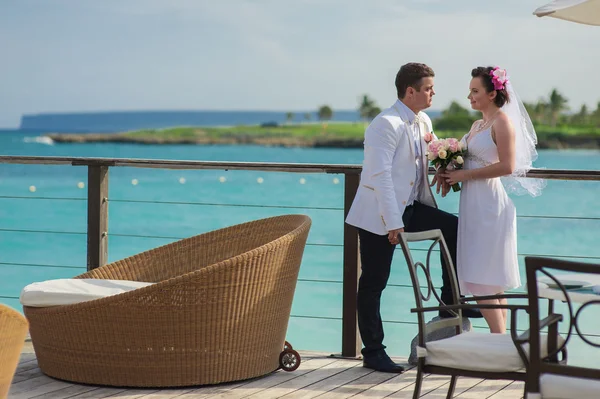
(389, 171)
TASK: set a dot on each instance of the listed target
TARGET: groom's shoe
(380, 361)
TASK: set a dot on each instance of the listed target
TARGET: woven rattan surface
(218, 312)
(13, 330)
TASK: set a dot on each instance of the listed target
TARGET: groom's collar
(406, 113)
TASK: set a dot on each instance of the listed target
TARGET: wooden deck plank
(328, 384)
(38, 390)
(27, 374)
(28, 365)
(168, 393)
(337, 366)
(233, 389)
(512, 391)
(462, 384)
(211, 391)
(26, 357)
(29, 384)
(319, 376)
(277, 378)
(389, 386)
(67, 392)
(134, 393)
(484, 389)
(357, 386)
(100, 393)
(430, 383)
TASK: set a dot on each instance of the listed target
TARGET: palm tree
(373, 112)
(557, 104)
(325, 113)
(596, 116)
(582, 117)
(365, 107)
(540, 111)
(289, 117)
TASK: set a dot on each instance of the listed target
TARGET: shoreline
(565, 142)
(319, 135)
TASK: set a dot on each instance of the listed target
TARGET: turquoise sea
(42, 238)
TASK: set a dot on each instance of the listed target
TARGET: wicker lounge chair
(218, 312)
(13, 330)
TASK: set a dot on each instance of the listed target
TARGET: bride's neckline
(480, 126)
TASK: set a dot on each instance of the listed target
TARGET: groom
(394, 195)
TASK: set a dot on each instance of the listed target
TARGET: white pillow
(70, 291)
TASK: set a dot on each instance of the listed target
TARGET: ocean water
(36, 232)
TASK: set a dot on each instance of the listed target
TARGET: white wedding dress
(487, 225)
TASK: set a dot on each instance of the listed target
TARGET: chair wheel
(287, 345)
(289, 360)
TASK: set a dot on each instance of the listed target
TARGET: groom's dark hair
(410, 75)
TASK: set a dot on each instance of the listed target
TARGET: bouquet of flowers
(446, 153)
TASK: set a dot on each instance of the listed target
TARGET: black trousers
(376, 255)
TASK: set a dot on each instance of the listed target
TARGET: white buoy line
(182, 180)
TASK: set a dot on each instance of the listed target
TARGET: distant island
(556, 127)
(326, 134)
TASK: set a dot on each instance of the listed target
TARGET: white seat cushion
(555, 386)
(478, 352)
(70, 291)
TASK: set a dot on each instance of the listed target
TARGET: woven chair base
(218, 312)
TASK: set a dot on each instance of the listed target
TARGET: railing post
(97, 222)
(351, 342)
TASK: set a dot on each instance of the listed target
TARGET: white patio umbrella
(580, 11)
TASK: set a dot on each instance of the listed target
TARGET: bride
(501, 144)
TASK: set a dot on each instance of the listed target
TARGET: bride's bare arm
(505, 142)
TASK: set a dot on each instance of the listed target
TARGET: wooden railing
(98, 199)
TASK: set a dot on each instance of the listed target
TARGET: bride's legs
(504, 311)
(494, 317)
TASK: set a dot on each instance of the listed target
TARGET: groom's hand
(393, 235)
(440, 182)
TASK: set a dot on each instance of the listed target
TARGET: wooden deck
(318, 376)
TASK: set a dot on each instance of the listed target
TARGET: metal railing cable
(409, 323)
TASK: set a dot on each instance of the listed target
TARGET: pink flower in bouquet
(428, 137)
(446, 153)
(453, 145)
(434, 147)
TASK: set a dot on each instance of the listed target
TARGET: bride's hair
(484, 73)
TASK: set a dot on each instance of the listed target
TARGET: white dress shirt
(414, 121)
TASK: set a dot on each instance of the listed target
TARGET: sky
(86, 55)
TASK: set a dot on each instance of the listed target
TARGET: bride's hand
(455, 176)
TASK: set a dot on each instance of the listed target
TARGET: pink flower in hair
(499, 78)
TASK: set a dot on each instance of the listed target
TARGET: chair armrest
(545, 322)
(503, 296)
(466, 306)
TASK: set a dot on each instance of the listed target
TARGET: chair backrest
(13, 330)
(431, 298)
(194, 253)
(536, 291)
